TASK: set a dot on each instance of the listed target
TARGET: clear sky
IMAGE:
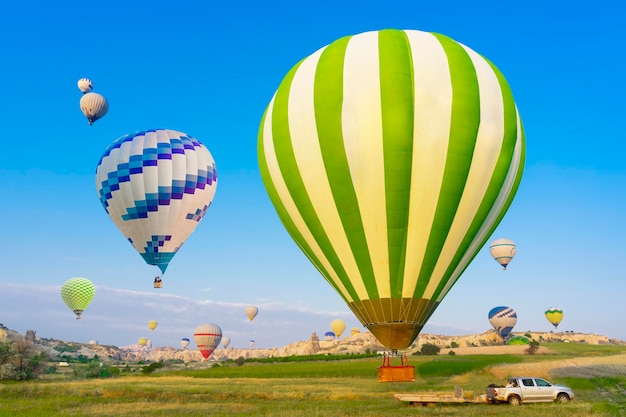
(209, 69)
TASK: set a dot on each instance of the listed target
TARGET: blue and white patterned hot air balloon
(503, 320)
(156, 186)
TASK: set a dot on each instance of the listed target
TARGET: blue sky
(210, 70)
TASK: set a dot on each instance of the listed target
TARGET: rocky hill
(358, 343)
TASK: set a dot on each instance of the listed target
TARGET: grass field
(326, 388)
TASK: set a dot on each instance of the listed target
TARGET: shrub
(151, 368)
(429, 349)
(533, 347)
(451, 353)
(240, 361)
(94, 370)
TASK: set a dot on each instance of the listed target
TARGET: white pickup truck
(528, 390)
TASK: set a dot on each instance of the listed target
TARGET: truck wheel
(514, 400)
(562, 398)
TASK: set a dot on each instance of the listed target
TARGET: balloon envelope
(354, 331)
(207, 337)
(142, 341)
(184, 342)
(152, 324)
(156, 186)
(554, 316)
(518, 340)
(390, 157)
(338, 326)
(77, 294)
(251, 312)
(225, 341)
(85, 85)
(503, 320)
(94, 106)
(503, 250)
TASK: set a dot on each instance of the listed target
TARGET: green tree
(533, 347)
(429, 349)
(20, 360)
(151, 368)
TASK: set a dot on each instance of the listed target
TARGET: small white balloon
(85, 85)
(93, 106)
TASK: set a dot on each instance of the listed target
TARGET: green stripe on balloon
(290, 172)
(505, 161)
(397, 99)
(328, 96)
(287, 165)
(464, 124)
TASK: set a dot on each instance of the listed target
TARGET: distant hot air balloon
(156, 186)
(77, 293)
(152, 324)
(184, 342)
(251, 343)
(94, 106)
(503, 250)
(207, 338)
(328, 336)
(503, 320)
(142, 341)
(554, 316)
(518, 340)
(225, 342)
(251, 312)
(390, 157)
(338, 326)
(85, 85)
(354, 331)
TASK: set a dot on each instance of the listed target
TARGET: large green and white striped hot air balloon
(390, 157)
(77, 294)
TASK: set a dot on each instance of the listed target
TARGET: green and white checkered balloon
(77, 293)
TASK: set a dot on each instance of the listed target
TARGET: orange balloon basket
(396, 373)
(158, 283)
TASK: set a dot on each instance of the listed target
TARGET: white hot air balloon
(85, 85)
(207, 337)
(251, 312)
(184, 342)
(93, 106)
(225, 341)
(503, 251)
(156, 186)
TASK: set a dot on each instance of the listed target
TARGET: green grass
(298, 389)
(583, 349)
(446, 366)
(357, 368)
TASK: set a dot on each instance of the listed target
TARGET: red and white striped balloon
(207, 337)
